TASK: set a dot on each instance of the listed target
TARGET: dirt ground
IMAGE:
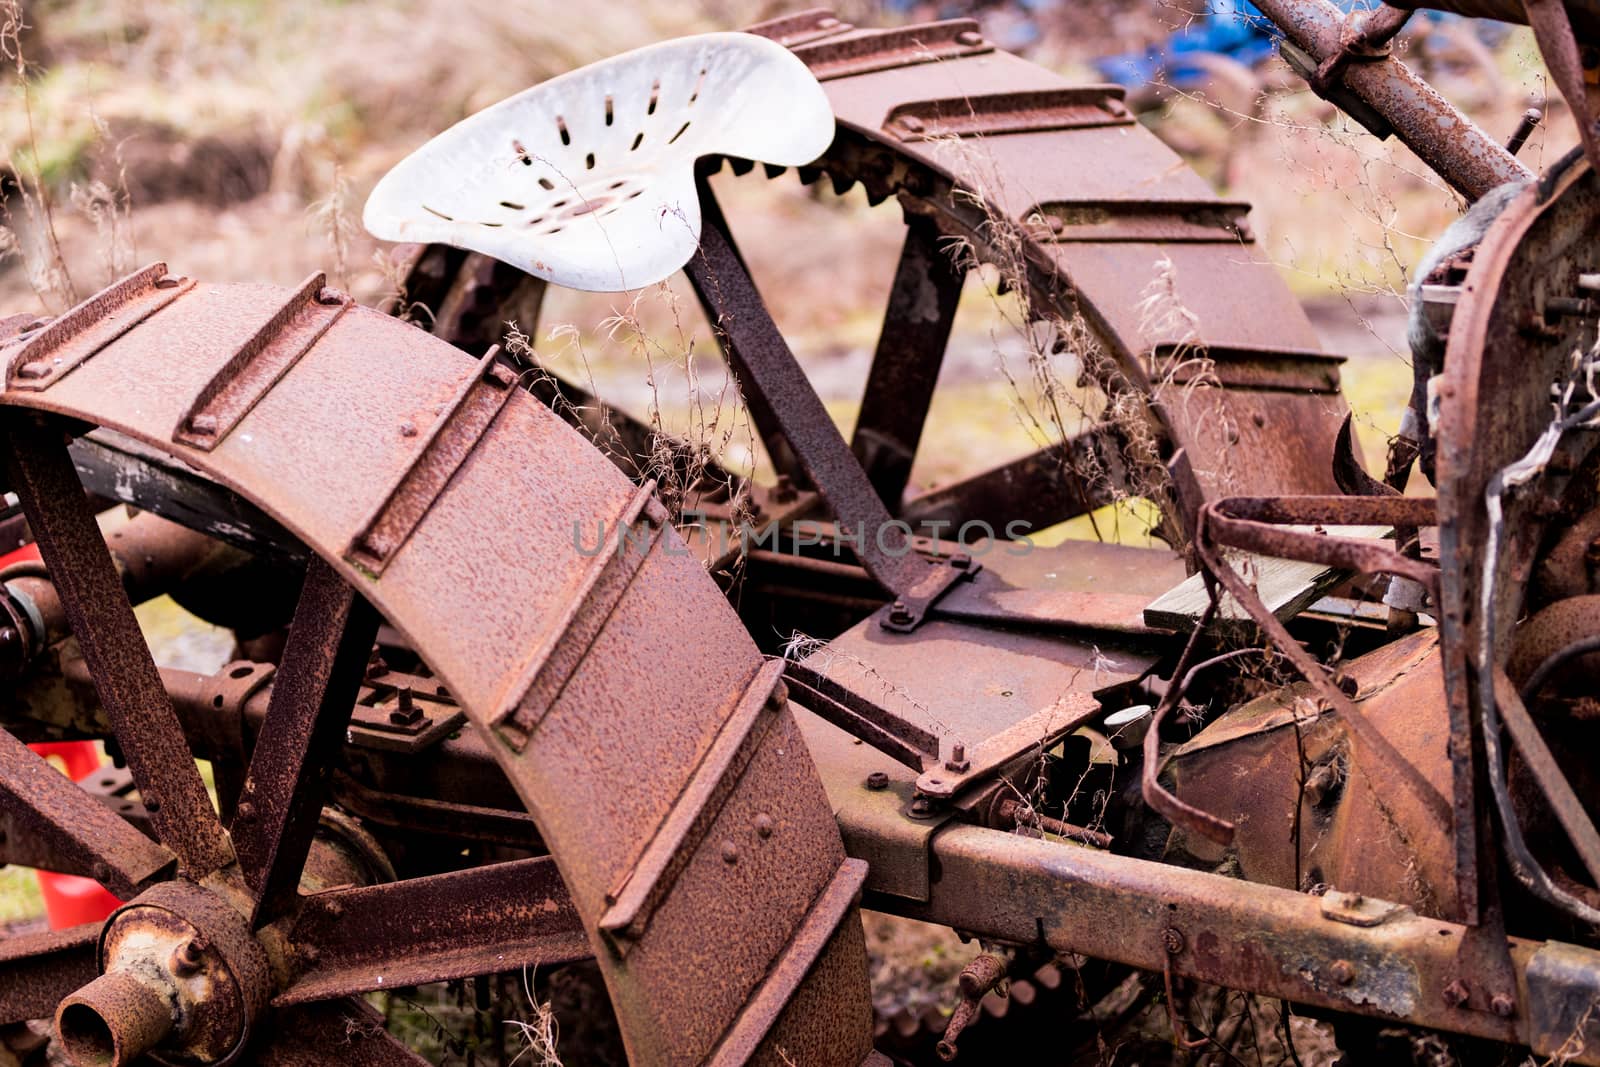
(237, 141)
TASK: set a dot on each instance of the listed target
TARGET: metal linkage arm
(1463, 155)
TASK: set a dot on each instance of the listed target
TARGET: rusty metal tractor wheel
(684, 837)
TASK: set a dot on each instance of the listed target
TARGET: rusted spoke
(769, 375)
(88, 835)
(905, 367)
(38, 971)
(312, 695)
(1038, 490)
(125, 676)
(347, 1033)
(481, 921)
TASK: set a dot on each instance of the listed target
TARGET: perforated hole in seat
(587, 180)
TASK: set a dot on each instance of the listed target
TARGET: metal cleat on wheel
(587, 180)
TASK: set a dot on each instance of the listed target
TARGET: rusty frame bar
(1337, 952)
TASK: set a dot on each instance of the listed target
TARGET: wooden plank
(1286, 586)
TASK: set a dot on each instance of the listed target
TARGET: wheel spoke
(38, 971)
(102, 619)
(769, 375)
(486, 920)
(1041, 489)
(312, 696)
(346, 1032)
(905, 367)
(87, 835)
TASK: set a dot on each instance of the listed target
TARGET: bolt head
(1502, 1005)
(1343, 972)
(912, 124)
(969, 38)
(877, 780)
(730, 852)
(763, 824)
(1457, 993)
(1172, 940)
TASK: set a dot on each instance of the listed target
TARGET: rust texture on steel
(1447, 140)
(620, 715)
(986, 114)
(487, 920)
(93, 598)
(622, 546)
(1257, 525)
(45, 356)
(754, 882)
(268, 355)
(461, 423)
(761, 360)
(313, 690)
(46, 805)
(850, 55)
(1319, 676)
(905, 366)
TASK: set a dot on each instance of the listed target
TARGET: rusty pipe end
(112, 1021)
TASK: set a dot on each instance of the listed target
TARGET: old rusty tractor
(1331, 747)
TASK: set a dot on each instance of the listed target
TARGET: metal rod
(1460, 152)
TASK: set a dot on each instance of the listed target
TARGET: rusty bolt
(899, 614)
(1502, 1005)
(187, 958)
(408, 429)
(877, 780)
(204, 425)
(1457, 993)
(958, 762)
(245, 813)
(1343, 972)
(912, 124)
(922, 807)
(730, 852)
(1172, 940)
(763, 824)
(969, 38)
(406, 713)
(1259, 419)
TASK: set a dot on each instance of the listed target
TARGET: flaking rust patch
(1388, 982)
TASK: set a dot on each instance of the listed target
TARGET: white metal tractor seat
(587, 180)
